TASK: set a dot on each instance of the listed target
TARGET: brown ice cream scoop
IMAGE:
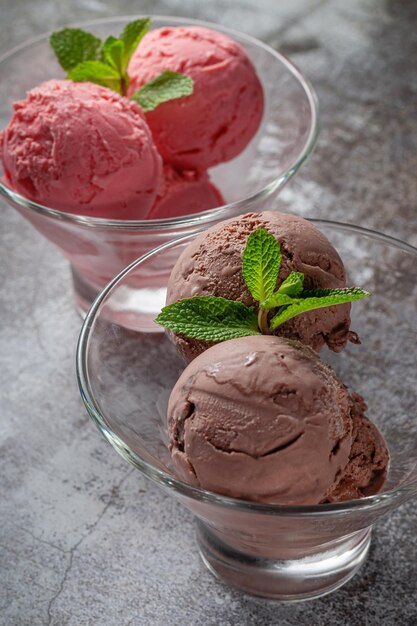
(212, 265)
(366, 470)
(263, 418)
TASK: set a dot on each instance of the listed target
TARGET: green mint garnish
(112, 52)
(209, 318)
(289, 291)
(96, 72)
(86, 58)
(216, 319)
(131, 36)
(260, 264)
(293, 284)
(278, 299)
(73, 46)
(166, 86)
(309, 303)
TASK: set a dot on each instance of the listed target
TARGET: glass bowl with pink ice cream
(106, 181)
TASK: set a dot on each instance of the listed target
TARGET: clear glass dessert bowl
(283, 552)
(99, 248)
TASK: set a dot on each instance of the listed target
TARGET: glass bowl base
(134, 306)
(84, 293)
(287, 581)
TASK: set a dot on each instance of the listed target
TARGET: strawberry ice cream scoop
(82, 148)
(185, 193)
(218, 120)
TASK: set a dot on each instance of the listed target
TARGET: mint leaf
(289, 292)
(279, 299)
(72, 46)
(209, 318)
(260, 264)
(356, 293)
(317, 299)
(166, 86)
(131, 36)
(112, 52)
(293, 284)
(77, 49)
(96, 72)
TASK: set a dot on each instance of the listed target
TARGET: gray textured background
(84, 538)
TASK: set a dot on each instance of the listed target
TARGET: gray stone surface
(85, 539)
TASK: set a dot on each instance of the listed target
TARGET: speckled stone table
(85, 539)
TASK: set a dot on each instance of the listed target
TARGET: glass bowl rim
(195, 219)
(164, 479)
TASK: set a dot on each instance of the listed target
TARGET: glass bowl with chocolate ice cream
(288, 448)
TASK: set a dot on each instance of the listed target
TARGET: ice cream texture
(184, 193)
(82, 148)
(222, 115)
(366, 470)
(212, 265)
(264, 419)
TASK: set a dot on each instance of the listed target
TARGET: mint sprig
(86, 58)
(212, 318)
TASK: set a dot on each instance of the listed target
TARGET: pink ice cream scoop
(222, 115)
(82, 148)
(185, 193)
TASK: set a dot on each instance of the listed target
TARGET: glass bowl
(283, 552)
(99, 248)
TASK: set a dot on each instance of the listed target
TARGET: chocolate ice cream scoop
(366, 469)
(264, 419)
(212, 265)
